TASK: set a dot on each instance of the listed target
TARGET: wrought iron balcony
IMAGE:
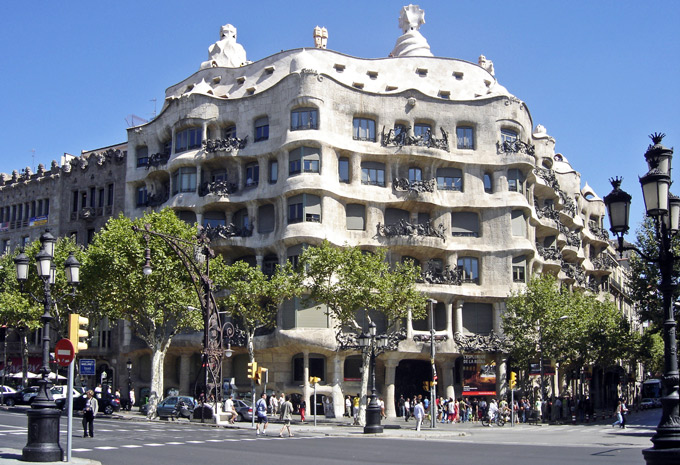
(404, 185)
(598, 232)
(516, 146)
(159, 198)
(401, 138)
(224, 145)
(435, 275)
(573, 238)
(404, 228)
(604, 262)
(546, 211)
(158, 159)
(217, 188)
(228, 231)
(575, 272)
(549, 253)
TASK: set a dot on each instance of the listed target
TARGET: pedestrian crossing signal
(77, 331)
(426, 386)
(513, 380)
(252, 370)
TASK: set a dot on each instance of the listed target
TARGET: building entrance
(409, 378)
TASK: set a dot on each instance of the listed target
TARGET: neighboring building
(429, 157)
(73, 199)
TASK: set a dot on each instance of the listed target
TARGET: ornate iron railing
(404, 185)
(574, 271)
(228, 231)
(549, 253)
(435, 275)
(491, 342)
(404, 228)
(218, 188)
(225, 145)
(516, 146)
(158, 159)
(402, 138)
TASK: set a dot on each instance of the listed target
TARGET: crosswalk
(193, 442)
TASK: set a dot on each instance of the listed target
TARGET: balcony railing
(401, 138)
(598, 232)
(435, 275)
(218, 188)
(547, 211)
(404, 228)
(224, 145)
(158, 159)
(574, 271)
(404, 185)
(228, 231)
(604, 262)
(573, 238)
(549, 253)
(516, 146)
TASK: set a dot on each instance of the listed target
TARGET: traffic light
(252, 370)
(77, 329)
(426, 386)
(262, 375)
(513, 380)
(314, 380)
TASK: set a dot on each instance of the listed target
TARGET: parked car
(61, 392)
(244, 409)
(647, 403)
(166, 407)
(24, 396)
(7, 392)
(107, 404)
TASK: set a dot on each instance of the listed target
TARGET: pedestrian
(401, 406)
(348, 407)
(261, 410)
(273, 404)
(98, 391)
(619, 414)
(624, 412)
(89, 412)
(419, 413)
(382, 409)
(407, 409)
(131, 402)
(355, 408)
(286, 416)
(303, 408)
(230, 409)
(281, 401)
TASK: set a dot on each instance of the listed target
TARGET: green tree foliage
(651, 353)
(157, 306)
(350, 282)
(645, 277)
(577, 329)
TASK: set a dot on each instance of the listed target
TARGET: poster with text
(479, 375)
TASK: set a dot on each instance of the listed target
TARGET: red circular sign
(63, 352)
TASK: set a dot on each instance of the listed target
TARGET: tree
(157, 306)
(351, 281)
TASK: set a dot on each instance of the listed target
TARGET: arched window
(261, 129)
(304, 118)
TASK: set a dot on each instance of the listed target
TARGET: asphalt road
(128, 442)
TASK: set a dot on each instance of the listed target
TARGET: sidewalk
(13, 457)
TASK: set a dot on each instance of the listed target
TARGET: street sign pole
(69, 406)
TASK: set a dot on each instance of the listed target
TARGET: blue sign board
(87, 366)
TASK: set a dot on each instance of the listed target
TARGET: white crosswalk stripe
(131, 446)
(106, 448)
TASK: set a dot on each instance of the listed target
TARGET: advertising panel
(37, 221)
(479, 375)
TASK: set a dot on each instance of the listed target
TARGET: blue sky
(599, 75)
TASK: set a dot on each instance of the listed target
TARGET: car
(107, 404)
(24, 396)
(166, 408)
(7, 392)
(647, 403)
(244, 409)
(60, 392)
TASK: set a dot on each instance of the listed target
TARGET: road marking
(174, 443)
(106, 447)
(81, 450)
(213, 440)
(154, 444)
(131, 446)
(19, 432)
(195, 442)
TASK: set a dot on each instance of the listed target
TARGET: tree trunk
(157, 360)
(24, 358)
(366, 365)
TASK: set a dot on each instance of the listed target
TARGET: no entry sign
(63, 352)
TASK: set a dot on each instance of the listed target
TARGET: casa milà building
(429, 157)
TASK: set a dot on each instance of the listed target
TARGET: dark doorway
(409, 378)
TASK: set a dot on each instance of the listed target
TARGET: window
(355, 214)
(509, 135)
(465, 224)
(261, 129)
(303, 159)
(90, 235)
(229, 132)
(142, 196)
(74, 207)
(415, 175)
(395, 215)
(343, 169)
(373, 173)
(184, 180)
(4, 248)
(293, 254)
(269, 264)
(519, 224)
(101, 198)
(422, 130)
(364, 129)
(25, 241)
(109, 195)
(142, 156)
(252, 174)
(450, 179)
(241, 219)
(93, 190)
(266, 218)
(188, 139)
(304, 118)
(488, 183)
(273, 171)
(188, 216)
(477, 317)
(515, 181)
(213, 219)
(304, 207)
(465, 138)
(470, 269)
(519, 266)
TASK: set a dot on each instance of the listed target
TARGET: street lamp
(43, 417)
(370, 342)
(664, 210)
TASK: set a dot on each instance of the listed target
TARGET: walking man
(419, 413)
(261, 409)
(89, 412)
(286, 416)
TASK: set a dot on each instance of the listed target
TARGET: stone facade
(429, 157)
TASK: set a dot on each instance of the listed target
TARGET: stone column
(184, 373)
(496, 317)
(355, 169)
(307, 390)
(458, 316)
(448, 378)
(449, 320)
(390, 371)
(501, 375)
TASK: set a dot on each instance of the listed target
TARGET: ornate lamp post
(43, 417)
(212, 329)
(370, 342)
(664, 209)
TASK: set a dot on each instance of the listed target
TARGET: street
(127, 441)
